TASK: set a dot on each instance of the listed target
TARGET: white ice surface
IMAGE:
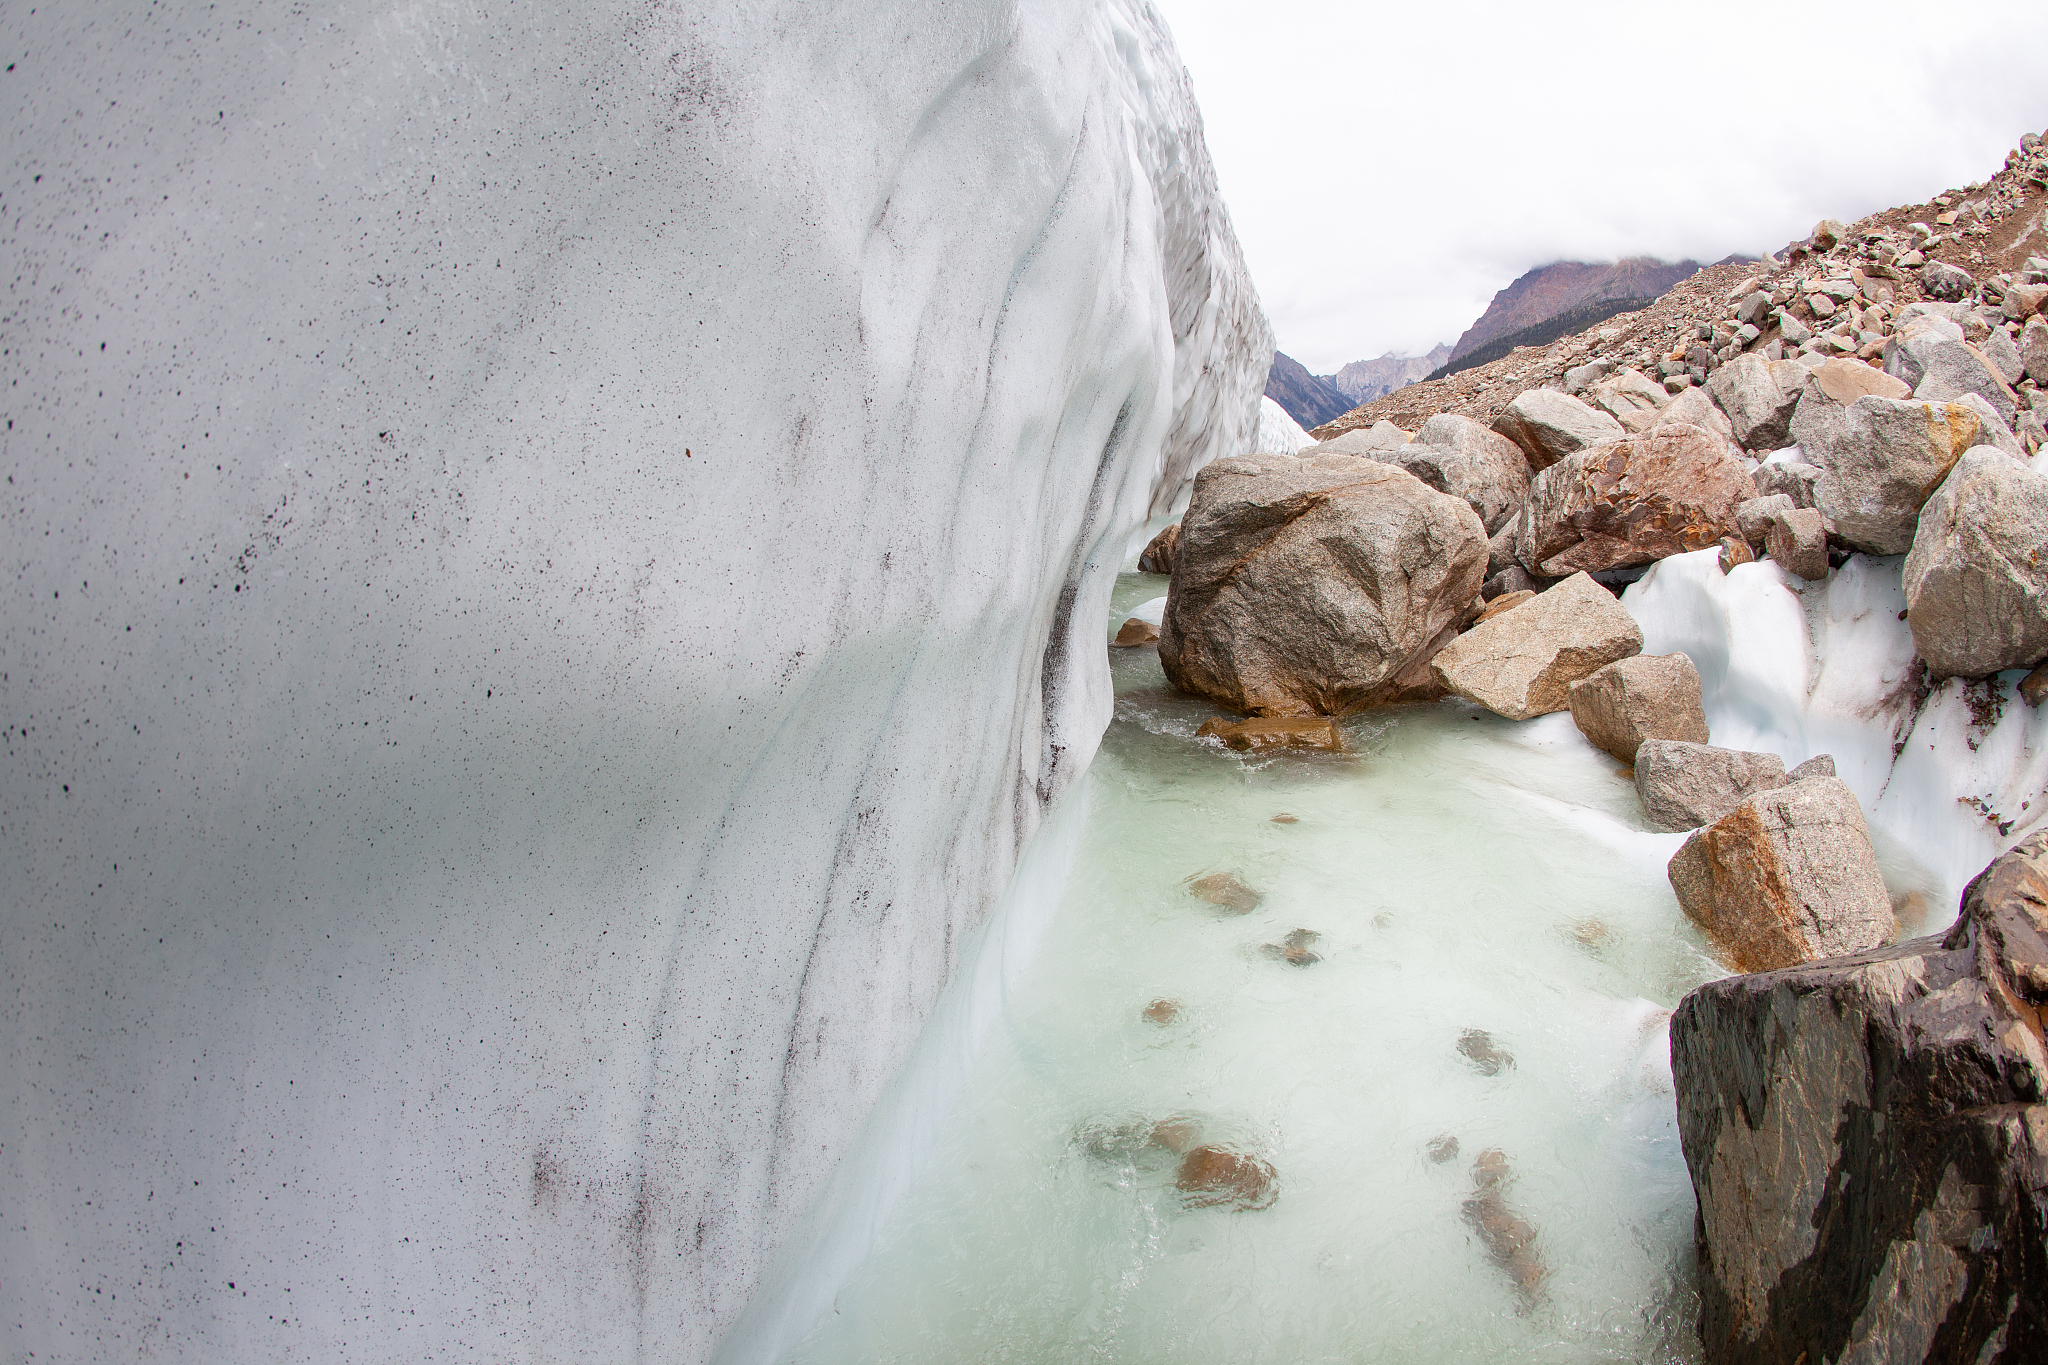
(1278, 433)
(1951, 776)
(556, 554)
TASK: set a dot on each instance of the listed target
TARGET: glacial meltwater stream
(1490, 955)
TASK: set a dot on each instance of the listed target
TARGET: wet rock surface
(1509, 1238)
(1303, 585)
(1297, 949)
(1868, 1142)
(1520, 663)
(1788, 876)
(1275, 732)
(1134, 632)
(1225, 891)
(1645, 696)
(1484, 1052)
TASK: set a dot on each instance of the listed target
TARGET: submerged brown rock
(1275, 732)
(1510, 1239)
(1213, 1176)
(1135, 632)
(1226, 891)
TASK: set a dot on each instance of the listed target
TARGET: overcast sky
(1389, 167)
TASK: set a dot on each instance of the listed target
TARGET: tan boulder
(1696, 407)
(1275, 732)
(1549, 425)
(1672, 489)
(1759, 396)
(1786, 877)
(1630, 398)
(1303, 585)
(1135, 632)
(1844, 381)
(1645, 696)
(1520, 663)
(1507, 601)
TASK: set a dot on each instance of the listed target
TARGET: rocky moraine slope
(1802, 499)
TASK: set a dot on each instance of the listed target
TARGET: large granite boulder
(1303, 584)
(1684, 785)
(1977, 578)
(1879, 460)
(1842, 382)
(1787, 876)
(1758, 395)
(1465, 459)
(1951, 369)
(1671, 489)
(1645, 696)
(1520, 663)
(1869, 1146)
(1549, 425)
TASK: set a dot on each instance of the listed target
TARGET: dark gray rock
(1754, 309)
(1869, 1147)
(1685, 785)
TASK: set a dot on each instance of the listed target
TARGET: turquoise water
(1460, 872)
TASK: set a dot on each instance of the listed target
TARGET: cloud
(1389, 167)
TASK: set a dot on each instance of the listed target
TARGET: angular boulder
(1696, 407)
(1977, 577)
(2034, 348)
(1549, 425)
(1869, 1147)
(1948, 282)
(1796, 479)
(1645, 696)
(1465, 459)
(1798, 539)
(1135, 632)
(1672, 489)
(1158, 555)
(1753, 518)
(1630, 398)
(1303, 584)
(1786, 877)
(1684, 785)
(1954, 368)
(1880, 459)
(1372, 442)
(1758, 395)
(1520, 663)
(1844, 381)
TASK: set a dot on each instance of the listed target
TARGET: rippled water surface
(1459, 873)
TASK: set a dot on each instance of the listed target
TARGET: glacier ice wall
(556, 554)
(1954, 773)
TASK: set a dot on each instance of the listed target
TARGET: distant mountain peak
(1548, 290)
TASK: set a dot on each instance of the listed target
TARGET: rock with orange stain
(1786, 877)
(1672, 489)
(1213, 1176)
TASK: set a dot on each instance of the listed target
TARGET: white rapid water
(555, 557)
